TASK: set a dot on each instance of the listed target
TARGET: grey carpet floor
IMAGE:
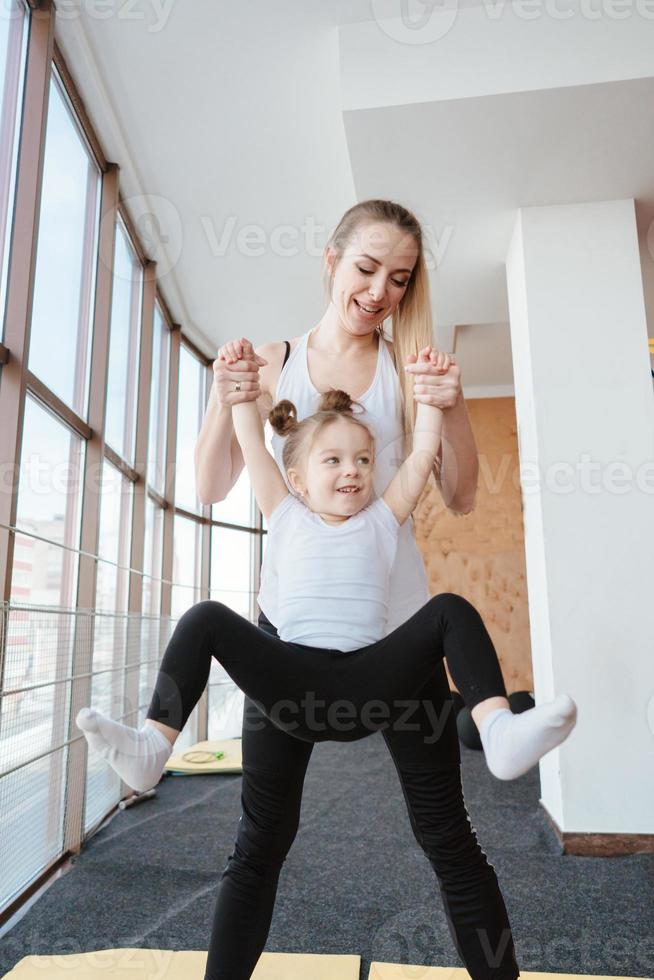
(355, 880)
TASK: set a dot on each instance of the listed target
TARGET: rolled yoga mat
(196, 759)
(163, 964)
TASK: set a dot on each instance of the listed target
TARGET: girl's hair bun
(283, 417)
(336, 400)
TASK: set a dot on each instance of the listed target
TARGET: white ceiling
(243, 131)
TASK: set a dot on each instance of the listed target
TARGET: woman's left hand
(436, 378)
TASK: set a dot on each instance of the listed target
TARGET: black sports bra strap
(286, 355)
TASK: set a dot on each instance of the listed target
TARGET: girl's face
(337, 478)
(372, 275)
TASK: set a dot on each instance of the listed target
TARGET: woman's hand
(236, 372)
(436, 378)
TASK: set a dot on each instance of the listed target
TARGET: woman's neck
(332, 337)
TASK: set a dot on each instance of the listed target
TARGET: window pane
(65, 266)
(110, 633)
(159, 404)
(230, 584)
(152, 558)
(48, 507)
(186, 565)
(13, 33)
(120, 426)
(237, 508)
(230, 568)
(192, 386)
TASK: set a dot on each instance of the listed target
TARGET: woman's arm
(218, 457)
(457, 469)
(267, 482)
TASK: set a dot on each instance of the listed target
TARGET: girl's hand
(436, 378)
(236, 373)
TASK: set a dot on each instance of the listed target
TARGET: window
(191, 403)
(230, 568)
(13, 33)
(158, 404)
(187, 553)
(66, 259)
(238, 506)
(48, 509)
(152, 558)
(120, 425)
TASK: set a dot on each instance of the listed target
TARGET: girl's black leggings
(297, 695)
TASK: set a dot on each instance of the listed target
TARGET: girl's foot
(514, 743)
(137, 755)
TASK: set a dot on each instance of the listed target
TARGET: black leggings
(297, 695)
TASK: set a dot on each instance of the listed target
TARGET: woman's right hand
(236, 372)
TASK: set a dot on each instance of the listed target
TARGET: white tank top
(332, 580)
(383, 415)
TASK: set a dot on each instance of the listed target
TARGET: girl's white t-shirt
(383, 415)
(333, 579)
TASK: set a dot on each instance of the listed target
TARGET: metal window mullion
(171, 458)
(91, 498)
(56, 406)
(143, 393)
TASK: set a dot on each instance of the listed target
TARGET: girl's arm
(267, 482)
(404, 490)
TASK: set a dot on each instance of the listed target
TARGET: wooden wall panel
(481, 555)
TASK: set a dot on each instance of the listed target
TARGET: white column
(585, 409)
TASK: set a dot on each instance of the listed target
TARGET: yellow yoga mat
(163, 964)
(196, 758)
(398, 971)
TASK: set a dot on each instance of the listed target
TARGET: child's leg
(428, 765)
(449, 626)
(274, 674)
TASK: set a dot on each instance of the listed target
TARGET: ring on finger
(237, 386)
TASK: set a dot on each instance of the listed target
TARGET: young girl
(333, 673)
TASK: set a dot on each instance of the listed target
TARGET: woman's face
(372, 275)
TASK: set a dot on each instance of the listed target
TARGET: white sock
(137, 755)
(515, 743)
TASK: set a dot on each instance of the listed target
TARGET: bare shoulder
(274, 352)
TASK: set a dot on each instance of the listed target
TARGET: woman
(374, 262)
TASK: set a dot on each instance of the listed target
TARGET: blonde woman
(376, 271)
